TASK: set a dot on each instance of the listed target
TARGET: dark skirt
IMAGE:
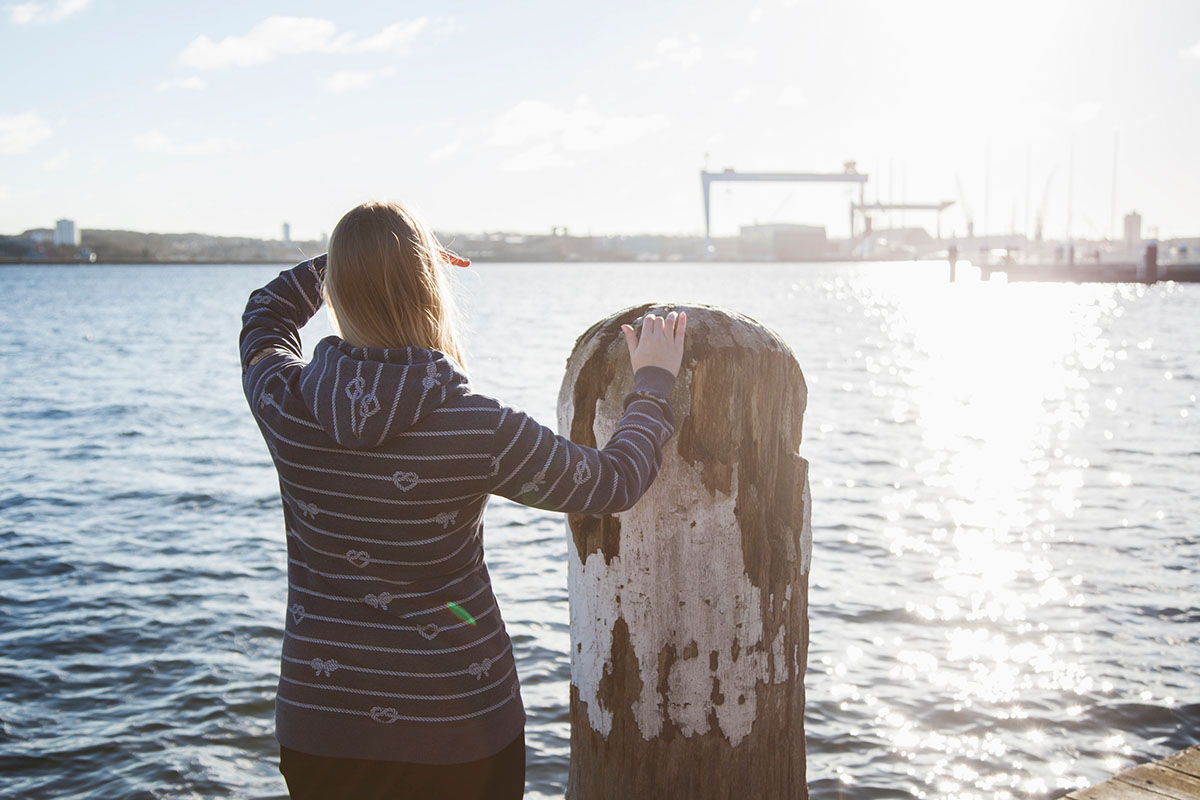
(498, 777)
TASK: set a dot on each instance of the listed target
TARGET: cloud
(266, 40)
(538, 157)
(1085, 111)
(1191, 52)
(548, 133)
(579, 128)
(57, 162)
(743, 95)
(446, 150)
(182, 83)
(279, 36)
(396, 36)
(743, 55)
(42, 12)
(155, 141)
(792, 97)
(673, 51)
(20, 133)
(349, 80)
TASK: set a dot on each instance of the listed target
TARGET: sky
(232, 117)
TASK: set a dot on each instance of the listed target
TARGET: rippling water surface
(1003, 595)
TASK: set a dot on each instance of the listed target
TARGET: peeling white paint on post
(666, 594)
(689, 611)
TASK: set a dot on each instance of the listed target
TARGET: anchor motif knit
(394, 647)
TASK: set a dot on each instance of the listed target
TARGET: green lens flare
(460, 612)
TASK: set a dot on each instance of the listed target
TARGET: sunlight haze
(231, 118)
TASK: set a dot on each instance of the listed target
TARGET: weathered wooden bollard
(689, 612)
(1150, 263)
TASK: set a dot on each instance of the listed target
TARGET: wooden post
(1150, 262)
(952, 256)
(689, 612)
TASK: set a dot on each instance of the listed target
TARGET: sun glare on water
(995, 382)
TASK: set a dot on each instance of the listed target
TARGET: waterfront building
(287, 232)
(1133, 229)
(65, 233)
(783, 242)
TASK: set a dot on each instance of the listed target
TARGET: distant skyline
(232, 118)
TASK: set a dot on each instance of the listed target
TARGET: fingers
(660, 343)
(455, 259)
(672, 326)
(630, 338)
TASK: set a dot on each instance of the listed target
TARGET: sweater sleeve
(534, 466)
(271, 323)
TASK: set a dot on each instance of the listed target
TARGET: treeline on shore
(113, 246)
(131, 246)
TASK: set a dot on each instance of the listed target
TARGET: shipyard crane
(849, 174)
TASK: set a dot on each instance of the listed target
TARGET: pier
(1148, 270)
(1176, 776)
(1091, 273)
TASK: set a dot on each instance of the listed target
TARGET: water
(1003, 596)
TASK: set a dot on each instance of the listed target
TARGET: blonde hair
(384, 281)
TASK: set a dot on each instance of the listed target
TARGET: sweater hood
(364, 396)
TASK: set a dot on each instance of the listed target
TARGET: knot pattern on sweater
(359, 558)
(297, 612)
(446, 518)
(325, 668)
(309, 510)
(405, 480)
(384, 714)
(368, 405)
(431, 379)
(380, 600)
(356, 387)
(534, 485)
(480, 668)
(583, 473)
(362, 401)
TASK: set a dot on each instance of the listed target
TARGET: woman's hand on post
(660, 343)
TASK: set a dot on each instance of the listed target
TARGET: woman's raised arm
(536, 467)
(271, 323)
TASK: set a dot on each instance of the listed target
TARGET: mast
(1070, 185)
(1112, 209)
(1028, 168)
(987, 183)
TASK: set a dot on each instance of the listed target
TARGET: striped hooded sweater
(394, 648)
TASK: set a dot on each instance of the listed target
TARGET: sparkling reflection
(995, 379)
